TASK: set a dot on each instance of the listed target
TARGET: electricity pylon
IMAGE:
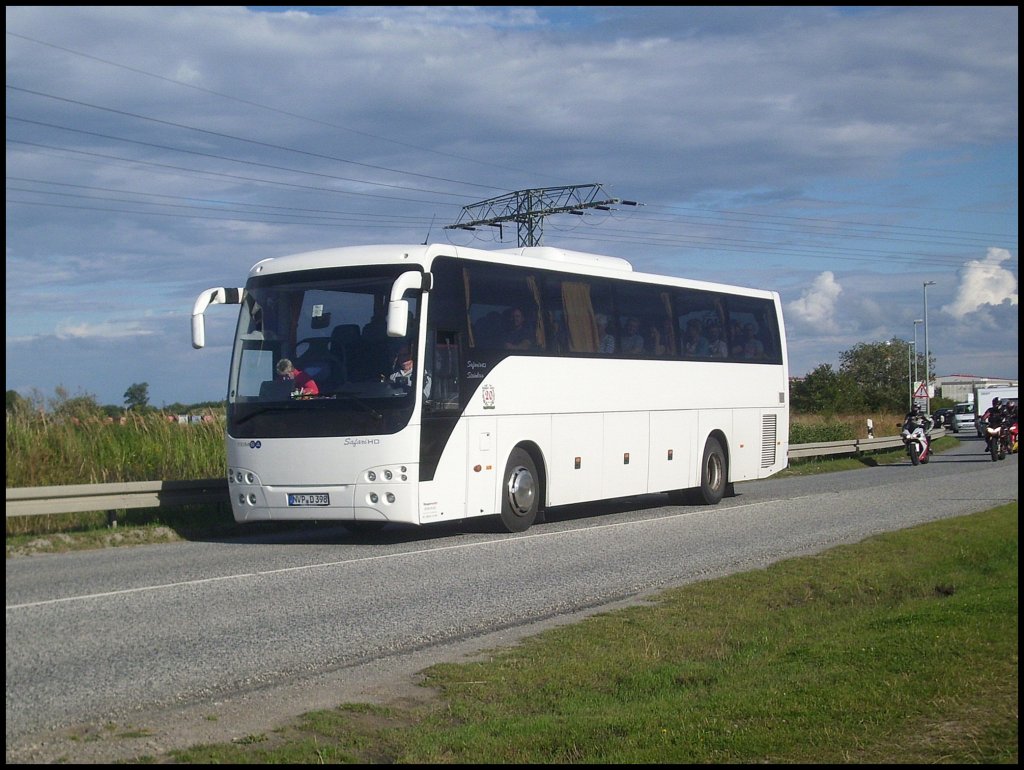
(527, 208)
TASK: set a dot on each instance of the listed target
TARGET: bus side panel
(674, 461)
(575, 464)
(444, 497)
(745, 445)
(626, 454)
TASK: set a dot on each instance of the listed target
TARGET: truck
(983, 396)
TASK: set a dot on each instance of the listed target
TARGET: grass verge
(899, 649)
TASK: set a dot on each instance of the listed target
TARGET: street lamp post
(911, 350)
(916, 322)
(927, 351)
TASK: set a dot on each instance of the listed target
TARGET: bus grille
(768, 440)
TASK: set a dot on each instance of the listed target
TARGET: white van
(963, 417)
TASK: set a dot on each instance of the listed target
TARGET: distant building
(957, 387)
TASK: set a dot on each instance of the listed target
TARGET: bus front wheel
(713, 473)
(520, 492)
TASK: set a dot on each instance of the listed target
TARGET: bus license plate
(309, 499)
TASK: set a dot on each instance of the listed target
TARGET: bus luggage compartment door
(482, 474)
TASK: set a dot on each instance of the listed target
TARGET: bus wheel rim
(521, 490)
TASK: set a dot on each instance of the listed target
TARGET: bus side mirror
(398, 318)
(217, 296)
(398, 308)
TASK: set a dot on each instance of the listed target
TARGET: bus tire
(520, 492)
(713, 473)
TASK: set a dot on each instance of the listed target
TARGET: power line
(259, 105)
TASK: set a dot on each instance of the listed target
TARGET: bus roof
(545, 257)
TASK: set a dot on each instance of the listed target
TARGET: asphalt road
(121, 652)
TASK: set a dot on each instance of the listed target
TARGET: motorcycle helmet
(995, 401)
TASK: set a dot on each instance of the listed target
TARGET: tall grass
(44, 451)
(811, 428)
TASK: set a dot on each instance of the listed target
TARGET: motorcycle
(1013, 437)
(996, 437)
(916, 440)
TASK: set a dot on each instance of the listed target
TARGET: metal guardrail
(77, 498)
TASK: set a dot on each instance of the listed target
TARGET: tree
(80, 407)
(16, 403)
(137, 396)
(879, 371)
(827, 392)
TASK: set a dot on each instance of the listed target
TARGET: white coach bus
(541, 377)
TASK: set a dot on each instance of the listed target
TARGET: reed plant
(47, 451)
(806, 428)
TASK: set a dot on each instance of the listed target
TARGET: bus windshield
(312, 356)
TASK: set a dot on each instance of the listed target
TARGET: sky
(842, 156)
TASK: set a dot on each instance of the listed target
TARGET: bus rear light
(390, 497)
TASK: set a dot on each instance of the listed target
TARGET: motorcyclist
(918, 418)
(916, 425)
(993, 416)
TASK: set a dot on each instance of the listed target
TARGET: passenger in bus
(518, 335)
(653, 341)
(558, 342)
(402, 368)
(735, 339)
(605, 340)
(695, 344)
(752, 346)
(717, 346)
(302, 383)
(632, 339)
(404, 371)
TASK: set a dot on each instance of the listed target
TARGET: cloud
(983, 284)
(817, 306)
(69, 331)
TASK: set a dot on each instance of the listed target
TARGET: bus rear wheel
(520, 492)
(713, 473)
